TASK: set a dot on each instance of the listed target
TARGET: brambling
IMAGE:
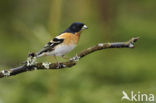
(63, 43)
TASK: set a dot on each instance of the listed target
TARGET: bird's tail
(33, 55)
(37, 55)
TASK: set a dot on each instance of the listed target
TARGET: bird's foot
(58, 65)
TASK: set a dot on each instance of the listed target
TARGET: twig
(31, 63)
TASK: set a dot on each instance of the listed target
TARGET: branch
(31, 63)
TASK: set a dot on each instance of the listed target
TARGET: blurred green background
(26, 25)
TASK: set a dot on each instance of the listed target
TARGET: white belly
(61, 50)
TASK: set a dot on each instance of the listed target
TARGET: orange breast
(70, 38)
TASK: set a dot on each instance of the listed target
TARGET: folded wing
(50, 46)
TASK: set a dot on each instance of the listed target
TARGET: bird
(64, 42)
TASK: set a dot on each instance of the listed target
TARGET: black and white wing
(50, 46)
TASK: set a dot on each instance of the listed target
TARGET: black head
(76, 27)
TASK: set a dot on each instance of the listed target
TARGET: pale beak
(84, 27)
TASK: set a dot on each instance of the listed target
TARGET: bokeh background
(26, 25)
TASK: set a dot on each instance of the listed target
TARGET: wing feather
(50, 46)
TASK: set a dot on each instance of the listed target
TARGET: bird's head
(76, 27)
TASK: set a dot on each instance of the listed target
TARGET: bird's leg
(64, 57)
(58, 64)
